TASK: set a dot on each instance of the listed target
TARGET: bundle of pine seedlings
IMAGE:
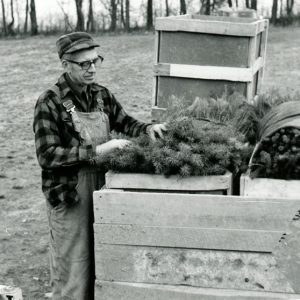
(201, 140)
(277, 153)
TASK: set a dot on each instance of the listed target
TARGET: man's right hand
(111, 145)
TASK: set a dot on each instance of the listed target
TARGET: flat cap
(73, 42)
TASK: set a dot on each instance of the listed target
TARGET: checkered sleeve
(50, 152)
(121, 121)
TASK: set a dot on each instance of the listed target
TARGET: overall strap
(69, 107)
(67, 103)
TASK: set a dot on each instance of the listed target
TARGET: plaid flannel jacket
(58, 146)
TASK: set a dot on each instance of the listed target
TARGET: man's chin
(89, 80)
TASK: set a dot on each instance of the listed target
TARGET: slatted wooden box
(218, 184)
(197, 56)
(161, 246)
(267, 187)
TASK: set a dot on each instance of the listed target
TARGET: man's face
(79, 76)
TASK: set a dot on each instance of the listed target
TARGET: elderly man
(72, 121)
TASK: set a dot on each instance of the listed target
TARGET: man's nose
(92, 68)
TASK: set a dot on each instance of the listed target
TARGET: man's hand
(156, 130)
(111, 145)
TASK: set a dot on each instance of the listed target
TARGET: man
(72, 121)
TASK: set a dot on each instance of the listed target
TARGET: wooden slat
(106, 290)
(266, 187)
(204, 72)
(193, 267)
(156, 60)
(187, 237)
(208, 26)
(160, 182)
(187, 210)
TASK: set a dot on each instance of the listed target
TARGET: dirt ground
(29, 66)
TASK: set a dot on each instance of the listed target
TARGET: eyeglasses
(85, 65)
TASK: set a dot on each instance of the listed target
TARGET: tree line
(117, 14)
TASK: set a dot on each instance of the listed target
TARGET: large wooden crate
(267, 187)
(161, 246)
(218, 184)
(197, 56)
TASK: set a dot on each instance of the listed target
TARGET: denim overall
(72, 261)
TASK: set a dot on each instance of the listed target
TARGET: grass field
(29, 66)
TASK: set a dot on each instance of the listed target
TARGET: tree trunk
(274, 11)
(247, 4)
(149, 15)
(127, 15)
(167, 8)
(90, 26)
(230, 3)
(182, 7)
(254, 4)
(113, 15)
(80, 16)
(207, 8)
(10, 26)
(237, 3)
(289, 7)
(3, 18)
(122, 13)
(34, 26)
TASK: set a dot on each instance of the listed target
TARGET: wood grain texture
(204, 72)
(188, 237)
(266, 187)
(106, 290)
(160, 182)
(191, 210)
(222, 26)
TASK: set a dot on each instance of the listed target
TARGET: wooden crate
(266, 187)
(161, 246)
(197, 56)
(220, 184)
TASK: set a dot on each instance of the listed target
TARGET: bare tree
(149, 14)
(182, 7)
(113, 15)
(274, 11)
(289, 7)
(90, 26)
(10, 26)
(205, 7)
(80, 16)
(26, 17)
(66, 17)
(230, 3)
(254, 4)
(167, 8)
(3, 18)
(33, 20)
(127, 15)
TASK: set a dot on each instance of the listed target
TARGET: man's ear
(64, 64)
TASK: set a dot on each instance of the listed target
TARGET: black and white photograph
(150, 149)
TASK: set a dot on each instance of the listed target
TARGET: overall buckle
(69, 106)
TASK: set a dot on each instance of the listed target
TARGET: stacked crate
(155, 244)
(200, 56)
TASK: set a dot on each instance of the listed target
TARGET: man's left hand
(156, 130)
